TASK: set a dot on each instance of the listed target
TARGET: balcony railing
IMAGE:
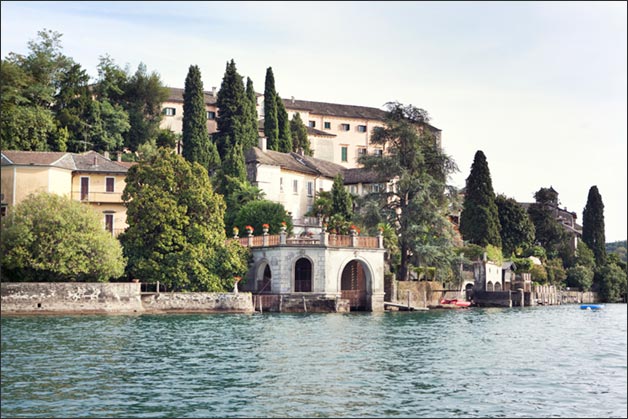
(329, 240)
(97, 196)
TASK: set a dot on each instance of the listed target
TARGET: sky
(539, 87)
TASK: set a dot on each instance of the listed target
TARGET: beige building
(89, 178)
(338, 133)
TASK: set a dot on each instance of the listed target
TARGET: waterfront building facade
(90, 178)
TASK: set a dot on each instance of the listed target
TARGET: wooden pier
(405, 307)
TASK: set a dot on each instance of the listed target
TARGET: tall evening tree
(232, 102)
(479, 220)
(250, 117)
(548, 231)
(283, 122)
(341, 201)
(417, 206)
(196, 146)
(517, 230)
(144, 94)
(593, 225)
(271, 123)
(300, 140)
(176, 228)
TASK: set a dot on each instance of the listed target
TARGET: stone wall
(419, 293)
(492, 299)
(241, 302)
(112, 297)
(70, 297)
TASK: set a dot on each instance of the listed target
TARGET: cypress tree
(195, 136)
(342, 203)
(479, 220)
(231, 104)
(251, 135)
(300, 140)
(285, 137)
(271, 123)
(593, 226)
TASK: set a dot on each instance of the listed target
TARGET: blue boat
(591, 306)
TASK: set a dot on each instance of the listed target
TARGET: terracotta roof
(38, 158)
(312, 166)
(361, 175)
(86, 162)
(176, 95)
(335, 109)
(94, 162)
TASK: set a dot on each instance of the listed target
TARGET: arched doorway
(497, 287)
(353, 285)
(303, 275)
(264, 279)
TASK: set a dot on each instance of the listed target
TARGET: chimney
(95, 161)
(119, 156)
(214, 91)
(262, 143)
(292, 99)
(106, 154)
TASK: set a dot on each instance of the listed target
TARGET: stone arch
(263, 276)
(489, 286)
(355, 282)
(498, 286)
(303, 274)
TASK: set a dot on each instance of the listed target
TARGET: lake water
(556, 361)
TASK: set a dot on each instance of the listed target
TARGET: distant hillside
(618, 247)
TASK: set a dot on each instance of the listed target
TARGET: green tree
(232, 121)
(250, 117)
(258, 213)
(29, 83)
(580, 277)
(176, 228)
(556, 273)
(283, 123)
(417, 206)
(144, 95)
(548, 231)
(517, 230)
(271, 122)
(341, 201)
(48, 237)
(593, 225)
(611, 282)
(479, 219)
(300, 140)
(195, 137)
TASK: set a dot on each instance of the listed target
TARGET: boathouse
(325, 272)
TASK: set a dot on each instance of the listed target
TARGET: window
(295, 186)
(109, 223)
(280, 184)
(3, 210)
(327, 125)
(377, 187)
(343, 153)
(211, 115)
(310, 188)
(361, 152)
(345, 127)
(109, 184)
(170, 111)
(84, 188)
(353, 189)
(361, 128)
(312, 124)
(378, 152)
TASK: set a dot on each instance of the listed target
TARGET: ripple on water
(535, 362)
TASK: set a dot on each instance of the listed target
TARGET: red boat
(455, 302)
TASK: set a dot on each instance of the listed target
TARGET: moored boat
(591, 306)
(455, 302)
